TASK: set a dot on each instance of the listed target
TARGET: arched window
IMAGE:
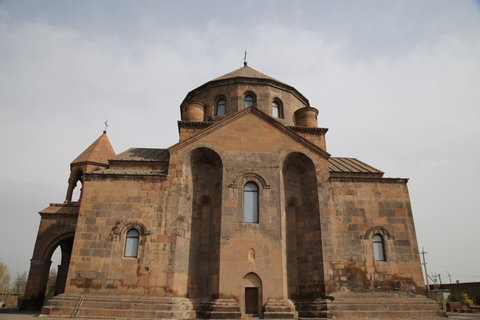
(378, 247)
(249, 100)
(250, 202)
(277, 107)
(221, 107)
(131, 245)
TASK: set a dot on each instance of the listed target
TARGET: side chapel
(248, 215)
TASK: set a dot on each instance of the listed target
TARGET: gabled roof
(98, 152)
(257, 112)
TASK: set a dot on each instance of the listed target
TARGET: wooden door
(251, 300)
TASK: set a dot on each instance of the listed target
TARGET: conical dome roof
(98, 152)
(248, 75)
(245, 72)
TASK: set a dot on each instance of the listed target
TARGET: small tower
(306, 117)
(93, 158)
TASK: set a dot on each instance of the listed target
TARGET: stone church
(248, 215)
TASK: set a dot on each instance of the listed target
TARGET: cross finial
(245, 59)
(106, 126)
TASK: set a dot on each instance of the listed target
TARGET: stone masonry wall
(353, 212)
(250, 150)
(110, 207)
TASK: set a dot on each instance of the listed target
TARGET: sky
(396, 82)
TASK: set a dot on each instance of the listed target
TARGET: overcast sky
(396, 82)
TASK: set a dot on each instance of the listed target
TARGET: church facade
(247, 215)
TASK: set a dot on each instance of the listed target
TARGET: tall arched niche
(305, 277)
(203, 272)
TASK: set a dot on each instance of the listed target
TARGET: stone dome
(244, 87)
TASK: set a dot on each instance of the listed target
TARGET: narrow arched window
(250, 202)
(378, 247)
(275, 109)
(131, 245)
(221, 107)
(249, 100)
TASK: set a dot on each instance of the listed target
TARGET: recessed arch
(300, 160)
(252, 292)
(251, 279)
(305, 278)
(251, 255)
(205, 170)
(186, 157)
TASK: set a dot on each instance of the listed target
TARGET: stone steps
(145, 307)
(122, 305)
(224, 309)
(378, 308)
(404, 314)
(119, 307)
(280, 309)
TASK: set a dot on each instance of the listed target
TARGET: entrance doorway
(251, 300)
(251, 295)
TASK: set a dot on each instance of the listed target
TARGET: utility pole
(425, 267)
(449, 276)
(439, 276)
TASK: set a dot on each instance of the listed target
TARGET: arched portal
(55, 231)
(66, 246)
(251, 294)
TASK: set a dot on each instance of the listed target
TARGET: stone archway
(57, 229)
(66, 245)
(251, 294)
(40, 270)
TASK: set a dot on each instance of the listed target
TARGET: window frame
(378, 242)
(129, 239)
(253, 196)
(249, 94)
(279, 108)
(217, 103)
